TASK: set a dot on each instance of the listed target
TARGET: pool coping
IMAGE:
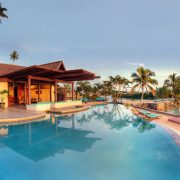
(172, 132)
(22, 119)
(11, 120)
(69, 111)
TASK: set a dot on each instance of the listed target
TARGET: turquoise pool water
(104, 143)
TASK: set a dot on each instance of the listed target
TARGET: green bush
(138, 96)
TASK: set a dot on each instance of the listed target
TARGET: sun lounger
(175, 119)
(152, 115)
(144, 112)
(85, 100)
(148, 114)
(100, 99)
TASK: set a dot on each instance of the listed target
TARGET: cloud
(136, 64)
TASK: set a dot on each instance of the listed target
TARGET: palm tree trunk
(105, 94)
(142, 96)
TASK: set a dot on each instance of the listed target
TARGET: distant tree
(163, 92)
(2, 13)
(97, 89)
(14, 56)
(143, 80)
(68, 88)
(119, 84)
(107, 88)
(83, 88)
(173, 83)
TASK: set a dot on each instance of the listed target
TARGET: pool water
(107, 142)
(175, 111)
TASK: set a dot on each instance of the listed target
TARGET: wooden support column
(64, 94)
(76, 96)
(29, 90)
(50, 92)
(25, 94)
(55, 92)
(39, 92)
(72, 91)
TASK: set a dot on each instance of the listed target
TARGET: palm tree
(163, 92)
(97, 88)
(173, 82)
(126, 84)
(143, 80)
(2, 12)
(118, 85)
(107, 88)
(14, 56)
(68, 88)
(83, 87)
(114, 85)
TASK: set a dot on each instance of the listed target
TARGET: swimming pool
(175, 111)
(106, 142)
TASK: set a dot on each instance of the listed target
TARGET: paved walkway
(163, 121)
(14, 114)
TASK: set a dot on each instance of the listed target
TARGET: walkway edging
(23, 119)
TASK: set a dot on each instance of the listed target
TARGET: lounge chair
(100, 99)
(152, 115)
(144, 112)
(85, 100)
(174, 119)
(148, 114)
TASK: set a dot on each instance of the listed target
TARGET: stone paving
(15, 114)
(171, 127)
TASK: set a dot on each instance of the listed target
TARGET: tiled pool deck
(15, 114)
(19, 114)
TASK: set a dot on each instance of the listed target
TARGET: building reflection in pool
(39, 140)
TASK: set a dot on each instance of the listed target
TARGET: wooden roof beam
(70, 75)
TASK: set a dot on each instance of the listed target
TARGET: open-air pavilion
(38, 83)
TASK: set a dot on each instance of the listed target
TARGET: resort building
(38, 83)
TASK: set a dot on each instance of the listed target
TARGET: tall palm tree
(98, 87)
(118, 85)
(107, 88)
(68, 88)
(2, 12)
(14, 56)
(83, 87)
(114, 86)
(173, 82)
(143, 80)
(126, 84)
(163, 92)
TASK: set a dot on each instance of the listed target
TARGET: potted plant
(3, 96)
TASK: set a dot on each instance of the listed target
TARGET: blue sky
(107, 37)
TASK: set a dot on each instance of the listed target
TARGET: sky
(108, 37)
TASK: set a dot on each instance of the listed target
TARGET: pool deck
(172, 128)
(163, 119)
(16, 114)
(69, 110)
(169, 124)
(75, 109)
(19, 114)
